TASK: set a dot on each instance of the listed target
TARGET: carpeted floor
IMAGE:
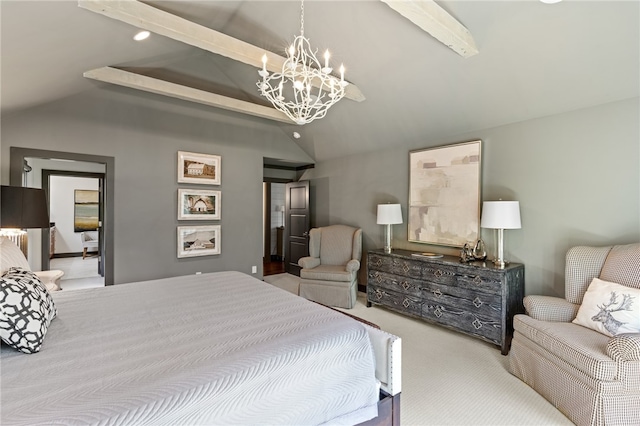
(449, 378)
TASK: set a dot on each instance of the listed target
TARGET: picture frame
(86, 210)
(197, 204)
(199, 168)
(444, 194)
(198, 240)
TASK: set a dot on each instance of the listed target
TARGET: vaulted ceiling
(534, 60)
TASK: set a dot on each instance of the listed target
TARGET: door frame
(16, 162)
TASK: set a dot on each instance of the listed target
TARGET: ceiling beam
(161, 87)
(433, 19)
(149, 18)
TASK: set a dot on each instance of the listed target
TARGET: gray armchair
(329, 274)
(590, 377)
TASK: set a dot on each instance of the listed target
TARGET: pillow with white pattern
(610, 308)
(26, 310)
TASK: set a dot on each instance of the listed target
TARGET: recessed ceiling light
(142, 35)
(296, 135)
(550, 1)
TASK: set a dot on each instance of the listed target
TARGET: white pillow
(610, 308)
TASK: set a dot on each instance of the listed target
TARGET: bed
(218, 348)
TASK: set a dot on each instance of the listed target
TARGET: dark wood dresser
(474, 298)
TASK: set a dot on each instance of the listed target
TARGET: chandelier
(305, 89)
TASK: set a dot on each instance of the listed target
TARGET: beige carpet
(449, 378)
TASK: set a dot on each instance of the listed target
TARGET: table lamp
(389, 214)
(22, 208)
(500, 215)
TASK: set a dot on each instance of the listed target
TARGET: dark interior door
(297, 225)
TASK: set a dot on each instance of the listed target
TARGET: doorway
(69, 162)
(76, 213)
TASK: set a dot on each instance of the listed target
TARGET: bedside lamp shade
(23, 208)
(500, 215)
(389, 214)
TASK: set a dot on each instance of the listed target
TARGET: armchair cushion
(548, 308)
(26, 310)
(328, 273)
(610, 308)
(577, 345)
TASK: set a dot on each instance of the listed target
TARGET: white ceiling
(535, 60)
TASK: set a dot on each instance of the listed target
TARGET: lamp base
(19, 238)
(387, 239)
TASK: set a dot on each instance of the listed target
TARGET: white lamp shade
(500, 215)
(389, 214)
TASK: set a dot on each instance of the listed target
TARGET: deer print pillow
(610, 308)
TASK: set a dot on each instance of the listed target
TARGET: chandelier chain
(302, 18)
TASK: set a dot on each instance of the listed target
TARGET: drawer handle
(406, 302)
(437, 292)
(378, 278)
(438, 312)
(405, 268)
(379, 294)
(406, 285)
(477, 280)
(477, 302)
(477, 324)
(438, 273)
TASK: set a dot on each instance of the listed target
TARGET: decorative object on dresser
(444, 194)
(22, 208)
(389, 214)
(500, 215)
(581, 352)
(475, 298)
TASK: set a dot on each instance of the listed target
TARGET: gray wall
(576, 176)
(144, 135)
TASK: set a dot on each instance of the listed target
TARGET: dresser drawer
(463, 320)
(401, 302)
(438, 273)
(480, 282)
(487, 305)
(395, 283)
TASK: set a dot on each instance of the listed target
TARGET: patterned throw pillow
(26, 310)
(610, 308)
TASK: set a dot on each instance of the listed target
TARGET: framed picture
(198, 240)
(86, 210)
(198, 168)
(195, 204)
(444, 194)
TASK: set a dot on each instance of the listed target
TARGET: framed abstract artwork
(195, 204)
(199, 168)
(444, 194)
(86, 210)
(198, 240)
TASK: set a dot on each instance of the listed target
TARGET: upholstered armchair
(569, 349)
(329, 274)
(11, 255)
(89, 242)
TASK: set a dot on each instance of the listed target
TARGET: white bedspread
(220, 348)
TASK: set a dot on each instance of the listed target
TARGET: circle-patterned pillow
(26, 310)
